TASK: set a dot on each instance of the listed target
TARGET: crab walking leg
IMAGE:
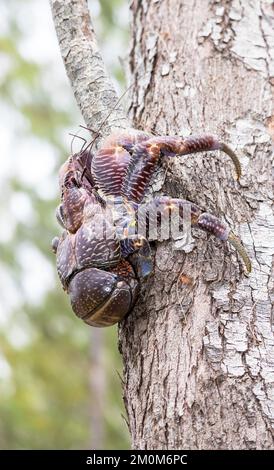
(184, 146)
(146, 154)
(199, 219)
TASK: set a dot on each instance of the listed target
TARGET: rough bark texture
(92, 87)
(199, 357)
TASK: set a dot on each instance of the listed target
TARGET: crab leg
(146, 154)
(199, 219)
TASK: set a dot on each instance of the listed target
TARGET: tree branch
(93, 89)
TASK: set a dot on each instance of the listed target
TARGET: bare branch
(93, 89)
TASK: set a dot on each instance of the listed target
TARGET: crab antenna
(90, 145)
(78, 137)
(98, 132)
(241, 250)
(88, 129)
(225, 148)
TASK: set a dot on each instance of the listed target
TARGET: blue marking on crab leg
(140, 252)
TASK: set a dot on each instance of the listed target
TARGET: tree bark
(93, 89)
(198, 349)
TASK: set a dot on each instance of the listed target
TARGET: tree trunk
(198, 349)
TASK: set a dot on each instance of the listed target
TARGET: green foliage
(44, 350)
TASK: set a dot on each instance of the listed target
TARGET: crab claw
(102, 298)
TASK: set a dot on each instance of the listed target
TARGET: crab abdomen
(101, 298)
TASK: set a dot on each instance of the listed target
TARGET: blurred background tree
(46, 371)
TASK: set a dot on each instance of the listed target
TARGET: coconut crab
(101, 260)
